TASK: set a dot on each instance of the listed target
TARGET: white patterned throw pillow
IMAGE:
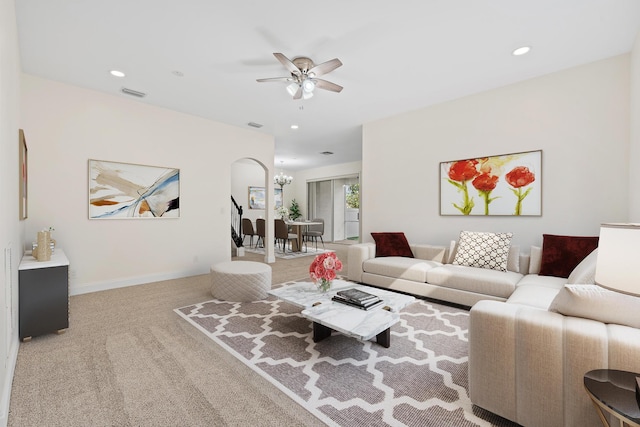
(483, 250)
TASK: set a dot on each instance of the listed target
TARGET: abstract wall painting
(23, 174)
(509, 184)
(125, 190)
(257, 199)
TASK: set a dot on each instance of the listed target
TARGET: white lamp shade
(292, 88)
(618, 257)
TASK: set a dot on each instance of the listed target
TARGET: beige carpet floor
(128, 360)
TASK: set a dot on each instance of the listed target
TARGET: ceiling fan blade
(276, 79)
(298, 93)
(325, 67)
(287, 64)
(323, 84)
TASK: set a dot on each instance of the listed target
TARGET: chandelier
(281, 179)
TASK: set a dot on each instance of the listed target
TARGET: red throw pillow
(561, 254)
(392, 244)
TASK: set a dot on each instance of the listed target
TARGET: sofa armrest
(356, 255)
(492, 357)
(527, 364)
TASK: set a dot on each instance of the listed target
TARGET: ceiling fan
(304, 76)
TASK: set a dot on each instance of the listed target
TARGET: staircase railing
(236, 223)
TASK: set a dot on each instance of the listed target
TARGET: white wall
(67, 125)
(634, 154)
(11, 229)
(578, 117)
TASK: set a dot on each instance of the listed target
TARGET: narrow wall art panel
(125, 190)
(509, 184)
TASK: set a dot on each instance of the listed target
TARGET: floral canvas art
(509, 184)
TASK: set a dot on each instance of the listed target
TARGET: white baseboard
(12, 358)
(79, 289)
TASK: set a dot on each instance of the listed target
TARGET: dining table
(299, 227)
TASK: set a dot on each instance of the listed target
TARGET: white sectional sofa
(528, 355)
(430, 274)
(531, 337)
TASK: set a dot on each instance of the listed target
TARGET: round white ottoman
(240, 281)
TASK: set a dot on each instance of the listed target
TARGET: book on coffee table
(357, 295)
(367, 305)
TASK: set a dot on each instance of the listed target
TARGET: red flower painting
(485, 183)
(519, 177)
(459, 173)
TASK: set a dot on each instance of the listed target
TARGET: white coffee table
(328, 316)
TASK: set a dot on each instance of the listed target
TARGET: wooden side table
(614, 392)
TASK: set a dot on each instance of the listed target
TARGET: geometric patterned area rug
(288, 254)
(421, 380)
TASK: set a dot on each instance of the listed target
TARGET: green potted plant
(294, 210)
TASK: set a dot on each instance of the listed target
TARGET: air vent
(133, 92)
(327, 153)
(255, 125)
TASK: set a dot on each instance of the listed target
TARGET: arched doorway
(250, 191)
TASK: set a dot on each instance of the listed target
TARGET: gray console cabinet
(43, 295)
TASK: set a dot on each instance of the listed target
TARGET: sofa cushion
(585, 272)
(473, 279)
(561, 254)
(483, 250)
(543, 281)
(392, 244)
(535, 258)
(430, 252)
(513, 259)
(594, 302)
(534, 296)
(400, 267)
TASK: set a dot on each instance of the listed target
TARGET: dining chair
(314, 231)
(247, 230)
(283, 235)
(260, 230)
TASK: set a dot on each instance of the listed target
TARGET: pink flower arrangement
(323, 270)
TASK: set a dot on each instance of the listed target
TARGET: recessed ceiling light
(521, 50)
(294, 126)
(117, 73)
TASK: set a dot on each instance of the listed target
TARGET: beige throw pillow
(597, 303)
(585, 272)
(535, 259)
(513, 259)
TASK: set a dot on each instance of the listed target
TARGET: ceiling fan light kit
(304, 76)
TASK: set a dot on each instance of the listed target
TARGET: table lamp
(618, 249)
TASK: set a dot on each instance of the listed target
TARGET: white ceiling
(397, 55)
